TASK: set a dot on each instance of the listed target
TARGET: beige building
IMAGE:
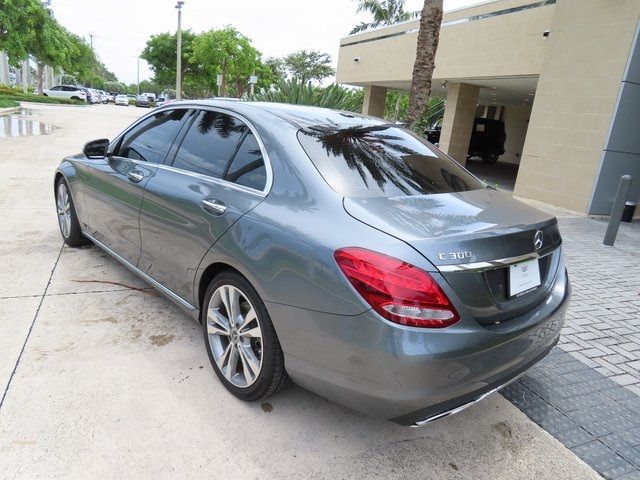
(564, 76)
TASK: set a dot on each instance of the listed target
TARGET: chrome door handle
(135, 176)
(216, 207)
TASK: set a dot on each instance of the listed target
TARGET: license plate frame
(524, 277)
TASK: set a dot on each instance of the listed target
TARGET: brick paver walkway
(602, 327)
(586, 393)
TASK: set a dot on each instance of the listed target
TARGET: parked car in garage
(122, 99)
(487, 138)
(336, 250)
(65, 91)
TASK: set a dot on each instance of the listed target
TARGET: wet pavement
(23, 124)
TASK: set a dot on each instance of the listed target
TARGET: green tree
(428, 36)
(49, 44)
(81, 61)
(229, 53)
(278, 70)
(385, 12)
(308, 65)
(160, 53)
(67, 79)
(18, 20)
(116, 87)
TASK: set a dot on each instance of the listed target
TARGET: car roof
(301, 116)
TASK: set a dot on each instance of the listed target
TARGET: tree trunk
(428, 35)
(40, 75)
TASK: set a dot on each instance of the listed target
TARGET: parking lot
(100, 377)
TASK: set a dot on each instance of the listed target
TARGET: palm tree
(385, 12)
(428, 35)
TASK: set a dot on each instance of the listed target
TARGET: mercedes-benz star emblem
(537, 240)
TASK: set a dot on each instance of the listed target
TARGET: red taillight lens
(397, 290)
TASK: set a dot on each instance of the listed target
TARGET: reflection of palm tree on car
(371, 153)
(225, 125)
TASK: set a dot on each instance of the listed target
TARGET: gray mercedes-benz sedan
(327, 248)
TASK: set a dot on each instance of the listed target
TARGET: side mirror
(96, 148)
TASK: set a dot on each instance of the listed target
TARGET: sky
(121, 28)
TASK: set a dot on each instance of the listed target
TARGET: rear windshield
(382, 161)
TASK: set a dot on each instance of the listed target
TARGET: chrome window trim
(200, 176)
(267, 161)
(489, 265)
(146, 277)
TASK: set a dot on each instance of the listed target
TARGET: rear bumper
(409, 375)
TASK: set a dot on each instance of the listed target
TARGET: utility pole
(91, 40)
(179, 53)
(138, 75)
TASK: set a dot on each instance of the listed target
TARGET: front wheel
(490, 158)
(241, 342)
(67, 218)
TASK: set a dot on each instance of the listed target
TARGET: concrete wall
(510, 44)
(586, 57)
(516, 122)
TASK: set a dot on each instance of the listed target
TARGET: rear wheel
(67, 218)
(241, 342)
(490, 158)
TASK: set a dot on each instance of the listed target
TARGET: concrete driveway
(101, 378)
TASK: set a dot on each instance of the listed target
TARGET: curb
(38, 104)
(5, 111)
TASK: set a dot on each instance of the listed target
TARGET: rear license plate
(523, 277)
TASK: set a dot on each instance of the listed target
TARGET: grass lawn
(7, 103)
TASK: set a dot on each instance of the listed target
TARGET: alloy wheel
(63, 204)
(235, 336)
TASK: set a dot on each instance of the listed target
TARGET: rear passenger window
(151, 139)
(209, 144)
(248, 167)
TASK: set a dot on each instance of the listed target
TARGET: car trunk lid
(471, 238)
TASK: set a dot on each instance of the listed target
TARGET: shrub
(296, 92)
(17, 95)
(8, 103)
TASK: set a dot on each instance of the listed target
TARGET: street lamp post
(179, 53)
(138, 75)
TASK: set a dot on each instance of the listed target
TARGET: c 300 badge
(454, 255)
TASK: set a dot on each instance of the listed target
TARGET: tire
(75, 98)
(67, 218)
(490, 158)
(257, 350)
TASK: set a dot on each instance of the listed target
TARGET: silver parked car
(332, 249)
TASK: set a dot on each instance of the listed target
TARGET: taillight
(397, 290)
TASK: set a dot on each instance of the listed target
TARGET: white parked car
(65, 91)
(95, 96)
(122, 99)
